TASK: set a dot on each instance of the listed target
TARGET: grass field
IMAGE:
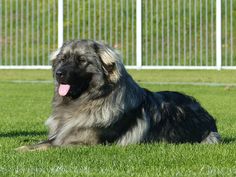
(25, 106)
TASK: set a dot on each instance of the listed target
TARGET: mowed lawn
(25, 105)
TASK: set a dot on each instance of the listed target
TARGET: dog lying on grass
(97, 102)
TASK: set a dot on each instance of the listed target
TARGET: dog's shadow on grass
(228, 140)
(27, 134)
(18, 134)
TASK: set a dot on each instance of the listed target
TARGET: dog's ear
(53, 59)
(110, 60)
(54, 54)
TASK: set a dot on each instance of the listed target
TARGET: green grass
(25, 107)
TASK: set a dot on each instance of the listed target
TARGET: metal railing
(150, 34)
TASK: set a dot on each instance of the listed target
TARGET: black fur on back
(177, 118)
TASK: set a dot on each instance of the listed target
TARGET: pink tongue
(63, 89)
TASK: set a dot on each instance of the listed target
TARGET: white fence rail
(150, 34)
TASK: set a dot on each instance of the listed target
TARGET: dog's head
(85, 65)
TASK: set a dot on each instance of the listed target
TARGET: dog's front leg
(41, 146)
(36, 147)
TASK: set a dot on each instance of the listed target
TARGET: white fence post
(218, 35)
(139, 34)
(60, 23)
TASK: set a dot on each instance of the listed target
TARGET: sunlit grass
(25, 107)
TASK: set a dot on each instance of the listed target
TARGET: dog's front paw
(37, 147)
(23, 149)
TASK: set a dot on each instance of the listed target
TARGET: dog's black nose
(59, 74)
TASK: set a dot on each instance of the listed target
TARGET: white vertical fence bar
(32, 32)
(94, 19)
(179, 33)
(218, 35)
(105, 21)
(184, 9)
(5, 33)
(173, 30)
(43, 34)
(67, 19)
(116, 20)
(1, 36)
(22, 32)
(226, 37)
(157, 37)
(78, 22)
(54, 24)
(231, 32)
(201, 33)
(60, 23)
(38, 27)
(168, 33)
(27, 33)
(48, 32)
(89, 19)
(190, 33)
(139, 33)
(111, 22)
(162, 33)
(100, 20)
(11, 33)
(122, 25)
(146, 33)
(212, 33)
(151, 32)
(206, 30)
(83, 32)
(73, 19)
(195, 31)
(127, 32)
(16, 32)
(132, 33)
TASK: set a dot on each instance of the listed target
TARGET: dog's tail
(212, 138)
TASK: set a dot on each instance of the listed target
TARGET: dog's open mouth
(63, 89)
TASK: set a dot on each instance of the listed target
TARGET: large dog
(97, 102)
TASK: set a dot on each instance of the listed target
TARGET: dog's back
(179, 118)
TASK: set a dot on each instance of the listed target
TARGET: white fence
(150, 34)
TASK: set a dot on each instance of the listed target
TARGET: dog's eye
(82, 60)
(61, 58)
